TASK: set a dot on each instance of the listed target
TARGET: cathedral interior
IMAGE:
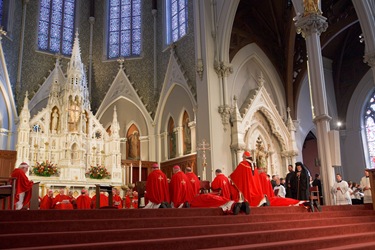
(198, 82)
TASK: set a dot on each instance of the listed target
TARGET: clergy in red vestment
(103, 201)
(247, 182)
(265, 183)
(23, 186)
(83, 201)
(62, 201)
(180, 190)
(157, 190)
(47, 201)
(195, 182)
(128, 200)
(221, 184)
(117, 201)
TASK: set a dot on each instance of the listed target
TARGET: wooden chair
(204, 187)
(8, 190)
(314, 194)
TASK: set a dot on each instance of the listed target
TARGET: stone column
(311, 25)
(193, 136)
(179, 141)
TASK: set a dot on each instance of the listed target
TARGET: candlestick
(140, 171)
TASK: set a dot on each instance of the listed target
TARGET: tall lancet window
(176, 19)
(124, 28)
(1, 12)
(56, 26)
(369, 119)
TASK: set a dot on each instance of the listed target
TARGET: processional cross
(203, 146)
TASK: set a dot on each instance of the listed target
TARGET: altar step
(266, 227)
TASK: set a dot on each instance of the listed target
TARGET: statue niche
(133, 143)
(55, 118)
(261, 155)
(186, 134)
(74, 115)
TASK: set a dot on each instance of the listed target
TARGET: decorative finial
(260, 79)
(2, 32)
(121, 62)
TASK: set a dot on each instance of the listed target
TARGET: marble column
(311, 25)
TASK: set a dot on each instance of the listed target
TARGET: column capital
(223, 69)
(369, 58)
(311, 23)
(322, 117)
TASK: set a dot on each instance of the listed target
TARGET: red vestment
(266, 185)
(103, 201)
(117, 201)
(208, 200)
(180, 189)
(128, 201)
(157, 187)
(248, 183)
(46, 203)
(280, 201)
(135, 201)
(60, 202)
(221, 182)
(23, 185)
(195, 182)
(83, 202)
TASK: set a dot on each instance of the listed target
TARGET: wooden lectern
(34, 201)
(108, 189)
(372, 184)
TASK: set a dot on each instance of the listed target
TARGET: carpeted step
(257, 233)
(248, 240)
(336, 242)
(159, 222)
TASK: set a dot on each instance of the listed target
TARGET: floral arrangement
(45, 168)
(98, 172)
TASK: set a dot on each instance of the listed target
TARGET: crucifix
(203, 146)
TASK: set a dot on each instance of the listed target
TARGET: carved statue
(261, 155)
(133, 145)
(74, 114)
(311, 7)
(55, 121)
(187, 136)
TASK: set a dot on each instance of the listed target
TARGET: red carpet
(337, 227)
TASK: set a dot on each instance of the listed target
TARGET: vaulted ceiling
(270, 25)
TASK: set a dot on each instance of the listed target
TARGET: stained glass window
(124, 28)
(1, 12)
(56, 26)
(370, 129)
(176, 14)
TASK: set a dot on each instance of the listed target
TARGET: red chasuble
(221, 182)
(208, 200)
(248, 183)
(180, 189)
(83, 202)
(128, 201)
(195, 182)
(46, 203)
(266, 185)
(117, 201)
(23, 185)
(157, 187)
(59, 199)
(103, 201)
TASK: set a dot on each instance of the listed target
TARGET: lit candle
(140, 171)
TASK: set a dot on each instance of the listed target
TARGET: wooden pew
(7, 192)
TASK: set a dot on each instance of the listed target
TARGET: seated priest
(83, 201)
(23, 186)
(103, 200)
(62, 201)
(47, 201)
(117, 201)
(157, 192)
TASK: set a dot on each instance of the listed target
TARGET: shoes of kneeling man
(237, 208)
(186, 204)
(245, 207)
